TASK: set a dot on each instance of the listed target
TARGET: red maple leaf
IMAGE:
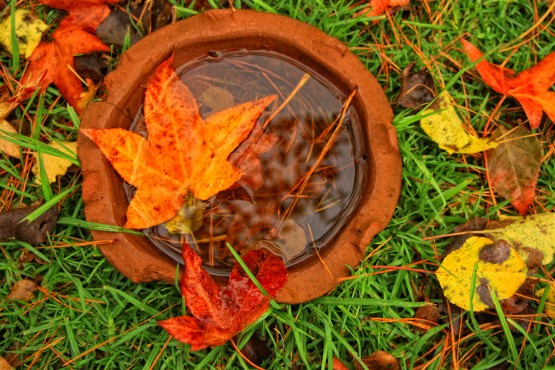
(531, 87)
(52, 63)
(220, 313)
(379, 7)
(87, 14)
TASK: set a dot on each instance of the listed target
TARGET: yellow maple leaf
(28, 29)
(457, 271)
(6, 146)
(53, 165)
(445, 127)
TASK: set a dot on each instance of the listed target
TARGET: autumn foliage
(52, 61)
(220, 313)
(183, 152)
(531, 87)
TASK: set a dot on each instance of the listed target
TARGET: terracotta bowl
(229, 30)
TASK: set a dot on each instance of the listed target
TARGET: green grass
(87, 315)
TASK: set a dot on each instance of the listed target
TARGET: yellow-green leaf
(502, 277)
(535, 232)
(28, 29)
(445, 127)
(6, 146)
(53, 165)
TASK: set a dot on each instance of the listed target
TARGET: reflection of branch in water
(337, 125)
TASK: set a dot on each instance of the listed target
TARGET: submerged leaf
(183, 152)
(456, 275)
(220, 313)
(514, 166)
(446, 128)
(28, 30)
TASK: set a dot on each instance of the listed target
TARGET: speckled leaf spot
(183, 152)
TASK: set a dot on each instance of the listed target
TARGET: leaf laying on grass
(23, 290)
(87, 14)
(28, 30)
(445, 127)
(379, 360)
(417, 88)
(535, 232)
(514, 166)
(12, 225)
(220, 313)
(55, 166)
(532, 87)
(5, 365)
(6, 146)
(503, 276)
(379, 7)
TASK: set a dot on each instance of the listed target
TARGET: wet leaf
(217, 98)
(6, 146)
(28, 29)
(379, 360)
(13, 227)
(417, 88)
(428, 314)
(165, 167)
(338, 365)
(23, 290)
(221, 313)
(535, 232)
(115, 28)
(514, 166)
(55, 166)
(86, 14)
(445, 127)
(90, 66)
(52, 63)
(5, 365)
(532, 87)
(549, 301)
(457, 269)
(379, 7)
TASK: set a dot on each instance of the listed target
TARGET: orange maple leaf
(52, 63)
(379, 7)
(87, 14)
(183, 152)
(531, 87)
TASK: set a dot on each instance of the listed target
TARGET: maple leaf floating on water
(531, 87)
(220, 313)
(183, 152)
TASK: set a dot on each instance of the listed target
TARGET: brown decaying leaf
(4, 364)
(514, 166)
(417, 88)
(379, 360)
(183, 152)
(428, 314)
(23, 290)
(12, 227)
(115, 28)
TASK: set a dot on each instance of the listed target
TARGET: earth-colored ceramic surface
(229, 30)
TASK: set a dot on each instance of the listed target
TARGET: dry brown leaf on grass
(5, 365)
(23, 290)
(6, 146)
(514, 166)
(13, 226)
